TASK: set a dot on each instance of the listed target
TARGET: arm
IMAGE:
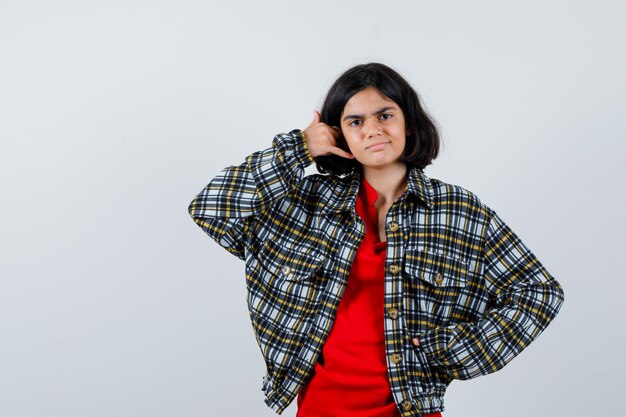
(527, 298)
(222, 209)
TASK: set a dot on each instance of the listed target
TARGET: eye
(386, 116)
(354, 122)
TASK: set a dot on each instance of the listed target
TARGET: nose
(372, 128)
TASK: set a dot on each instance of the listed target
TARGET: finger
(415, 341)
(340, 152)
(316, 118)
(336, 131)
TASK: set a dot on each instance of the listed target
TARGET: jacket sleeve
(526, 299)
(238, 193)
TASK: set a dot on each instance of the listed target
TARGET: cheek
(353, 149)
(350, 142)
(400, 129)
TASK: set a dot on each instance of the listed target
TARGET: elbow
(560, 293)
(196, 211)
(553, 298)
(191, 209)
(559, 297)
(198, 215)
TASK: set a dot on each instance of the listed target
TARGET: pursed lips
(377, 144)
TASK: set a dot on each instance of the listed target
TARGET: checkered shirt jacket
(456, 276)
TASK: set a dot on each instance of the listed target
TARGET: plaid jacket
(456, 275)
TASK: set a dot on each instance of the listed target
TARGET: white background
(114, 115)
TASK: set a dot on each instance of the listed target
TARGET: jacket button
(393, 226)
(396, 358)
(393, 312)
(438, 278)
(394, 269)
(406, 405)
(286, 270)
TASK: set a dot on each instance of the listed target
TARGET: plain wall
(114, 115)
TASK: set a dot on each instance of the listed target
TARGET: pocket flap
(289, 264)
(435, 268)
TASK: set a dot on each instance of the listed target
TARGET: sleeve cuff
(434, 343)
(301, 149)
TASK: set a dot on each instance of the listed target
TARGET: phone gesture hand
(321, 139)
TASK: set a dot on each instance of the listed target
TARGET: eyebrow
(376, 113)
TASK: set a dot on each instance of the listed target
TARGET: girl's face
(374, 129)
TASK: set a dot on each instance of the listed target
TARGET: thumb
(316, 117)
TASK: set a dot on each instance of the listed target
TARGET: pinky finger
(340, 152)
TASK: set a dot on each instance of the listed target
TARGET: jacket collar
(344, 190)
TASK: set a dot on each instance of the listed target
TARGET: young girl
(371, 286)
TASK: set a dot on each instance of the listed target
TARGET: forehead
(368, 99)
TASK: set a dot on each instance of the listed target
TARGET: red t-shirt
(350, 379)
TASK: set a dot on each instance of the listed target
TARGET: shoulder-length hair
(423, 141)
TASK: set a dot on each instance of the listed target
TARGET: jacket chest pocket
(283, 283)
(437, 287)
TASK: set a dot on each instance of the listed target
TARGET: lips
(376, 146)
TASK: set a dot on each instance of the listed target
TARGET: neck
(389, 182)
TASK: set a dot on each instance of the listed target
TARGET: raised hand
(321, 139)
